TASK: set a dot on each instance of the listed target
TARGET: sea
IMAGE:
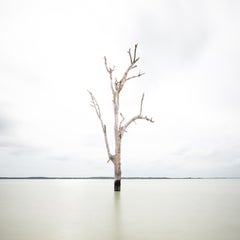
(145, 209)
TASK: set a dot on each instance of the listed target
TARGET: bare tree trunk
(117, 175)
(117, 160)
(120, 127)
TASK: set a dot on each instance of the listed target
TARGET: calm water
(145, 209)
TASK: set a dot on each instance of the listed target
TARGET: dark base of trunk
(117, 185)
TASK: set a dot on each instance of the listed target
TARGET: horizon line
(105, 177)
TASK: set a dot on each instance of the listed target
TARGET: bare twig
(110, 72)
(130, 55)
(135, 51)
(135, 76)
(122, 119)
(141, 104)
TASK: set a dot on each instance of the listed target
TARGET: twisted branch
(95, 105)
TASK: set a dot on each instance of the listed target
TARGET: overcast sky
(52, 51)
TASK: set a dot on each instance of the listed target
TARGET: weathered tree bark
(119, 126)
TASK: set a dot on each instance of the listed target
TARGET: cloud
(3, 124)
(173, 35)
(52, 52)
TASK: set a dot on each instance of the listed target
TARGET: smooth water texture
(144, 210)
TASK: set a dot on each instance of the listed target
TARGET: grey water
(190, 209)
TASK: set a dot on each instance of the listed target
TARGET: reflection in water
(117, 220)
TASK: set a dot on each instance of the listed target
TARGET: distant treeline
(39, 178)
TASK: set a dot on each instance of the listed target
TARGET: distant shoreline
(99, 178)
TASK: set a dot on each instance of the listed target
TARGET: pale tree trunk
(117, 174)
(120, 127)
(117, 159)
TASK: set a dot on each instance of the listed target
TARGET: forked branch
(133, 119)
(133, 64)
(116, 85)
(133, 58)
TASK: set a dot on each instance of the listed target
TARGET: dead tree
(120, 125)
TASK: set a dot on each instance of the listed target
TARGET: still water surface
(144, 210)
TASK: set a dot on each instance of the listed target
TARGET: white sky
(52, 51)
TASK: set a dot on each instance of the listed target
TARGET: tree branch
(135, 76)
(141, 104)
(116, 86)
(121, 120)
(95, 105)
(130, 55)
(133, 119)
(133, 60)
(110, 71)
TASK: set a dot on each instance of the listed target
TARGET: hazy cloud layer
(51, 52)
